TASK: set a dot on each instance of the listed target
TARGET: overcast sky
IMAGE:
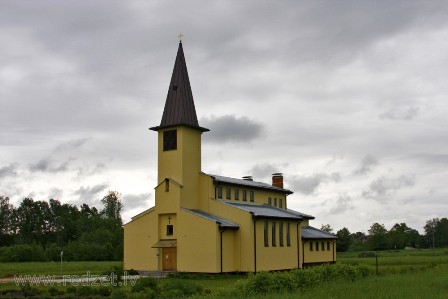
(347, 98)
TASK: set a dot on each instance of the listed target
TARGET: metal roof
(179, 106)
(305, 216)
(252, 184)
(165, 244)
(309, 232)
(221, 221)
(264, 211)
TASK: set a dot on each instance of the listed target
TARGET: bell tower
(179, 135)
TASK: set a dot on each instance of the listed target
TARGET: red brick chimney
(277, 180)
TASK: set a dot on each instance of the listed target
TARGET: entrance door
(169, 259)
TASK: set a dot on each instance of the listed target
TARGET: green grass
(52, 268)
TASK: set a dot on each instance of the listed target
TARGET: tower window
(174, 87)
(251, 193)
(170, 140)
(244, 195)
(228, 191)
(237, 194)
(219, 191)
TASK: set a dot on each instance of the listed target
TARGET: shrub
(145, 283)
(85, 291)
(118, 293)
(104, 291)
(22, 253)
(174, 288)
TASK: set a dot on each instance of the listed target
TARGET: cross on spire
(180, 37)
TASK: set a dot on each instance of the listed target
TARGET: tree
(112, 206)
(400, 236)
(6, 221)
(345, 239)
(326, 228)
(377, 237)
(436, 232)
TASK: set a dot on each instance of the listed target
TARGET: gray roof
(305, 216)
(264, 211)
(221, 221)
(253, 184)
(179, 106)
(309, 232)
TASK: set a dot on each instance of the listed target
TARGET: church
(212, 223)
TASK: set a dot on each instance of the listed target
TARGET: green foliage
(345, 239)
(145, 284)
(118, 293)
(84, 291)
(22, 253)
(265, 283)
(177, 288)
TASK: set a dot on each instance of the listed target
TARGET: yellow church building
(211, 223)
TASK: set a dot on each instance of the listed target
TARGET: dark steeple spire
(179, 105)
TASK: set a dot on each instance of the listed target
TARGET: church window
(237, 194)
(322, 246)
(167, 185)
(251, 194)
(228, 190)
(288, 235)
(269, 201)
(244, 195)
(169, 230)
(311, 246)
(280, 233)
(275, 202)
(280, 203)
(170, 140)
(266, 234)
(328, 246)
(219, 191)
(317, 246)
(274, 238)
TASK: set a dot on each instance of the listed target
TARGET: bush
(22, 253)
(174, 288)
(85, 291)
(118, 293)
(145, 283)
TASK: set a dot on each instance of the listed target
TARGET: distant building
(211, 223)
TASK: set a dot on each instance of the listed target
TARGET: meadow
(402, 274)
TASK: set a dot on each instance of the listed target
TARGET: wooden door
(169, 259)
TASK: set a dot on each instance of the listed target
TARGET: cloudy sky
(347, 98)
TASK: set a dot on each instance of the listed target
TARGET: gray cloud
(308, 184)
(8, 171)
(131, 201)
(47, 165)
(343, 203)
(383, 188)
(55, 193)
(228, 128)
(367, 164)
(407, 113)
(89, 193)
(265, 170)
(71, 145)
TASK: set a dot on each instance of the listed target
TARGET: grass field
(52, 268)
(402, 274)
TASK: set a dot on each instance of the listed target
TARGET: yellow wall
(260, 196)
(276, 258)
(197, 244)
(139, 235)
(319, 256)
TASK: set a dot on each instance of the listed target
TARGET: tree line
(398, 236)
(45, 230)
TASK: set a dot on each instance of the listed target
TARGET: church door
(169, 259)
